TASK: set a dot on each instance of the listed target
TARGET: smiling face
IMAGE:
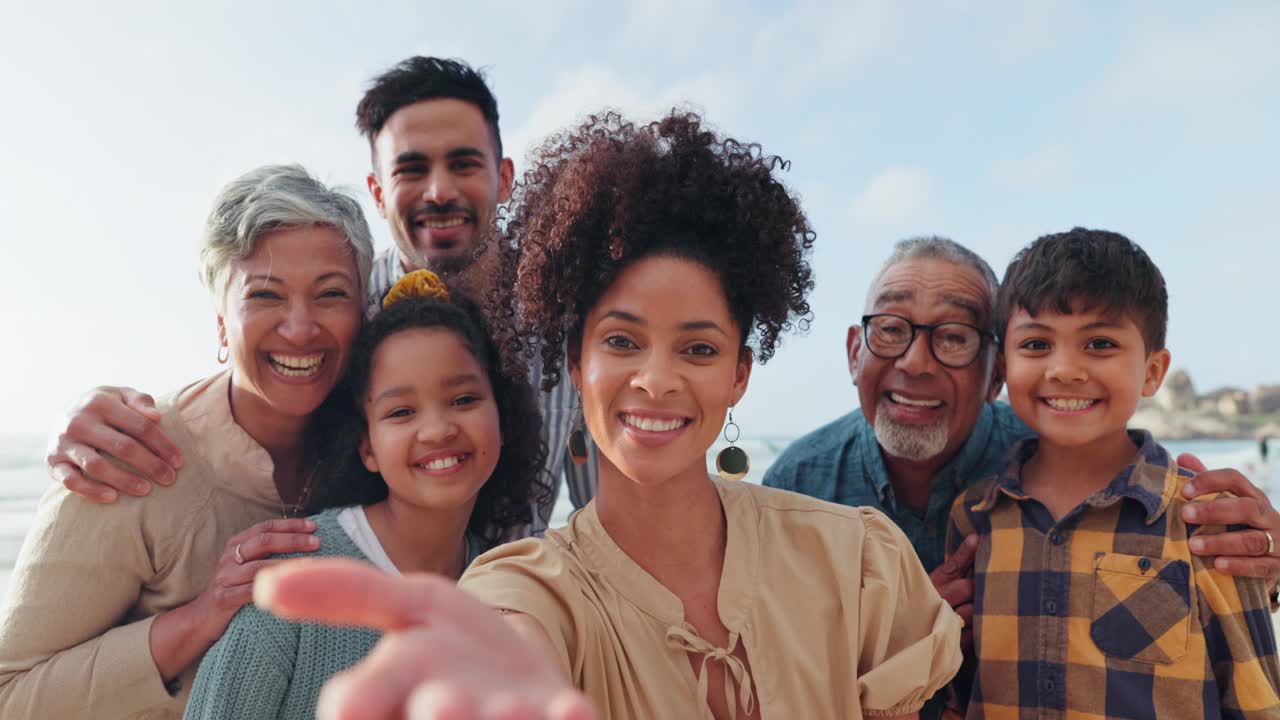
(438, 182)
(922, 410)
(432, 419)
(1077, 378)
(658, 369)
(290, 314)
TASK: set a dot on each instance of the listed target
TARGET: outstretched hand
(444, 654)
(1243, 552)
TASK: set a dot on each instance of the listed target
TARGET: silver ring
(1271, 543)
(240, 558)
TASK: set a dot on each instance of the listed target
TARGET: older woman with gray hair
(110, 608)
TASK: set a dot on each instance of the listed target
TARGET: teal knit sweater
(265, 667)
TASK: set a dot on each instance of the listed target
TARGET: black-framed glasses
(953, 344)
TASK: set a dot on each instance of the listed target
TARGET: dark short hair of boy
(1100, 270)
(425, 78)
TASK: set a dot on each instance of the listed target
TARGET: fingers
(380, 685)
(1191, 462)
(280, 525)
(120, 410)
(141, 402)
(97, 469)
(962, 559)
(956, 566)
(1222, 480)
(346, 592)
(957, 592)
(108, 440)
(1241, 543)
(75, 481)
(1258, 567)
(436, 701)
(1229, 511)
(266, 544)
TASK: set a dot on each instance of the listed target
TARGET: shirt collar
(1145, 481)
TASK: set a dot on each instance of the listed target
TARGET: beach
(23, 479)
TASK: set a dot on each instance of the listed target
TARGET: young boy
(1087, 601)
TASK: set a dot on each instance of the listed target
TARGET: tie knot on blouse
(735, 672)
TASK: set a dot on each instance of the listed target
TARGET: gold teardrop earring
(732, 462)
(578, 437)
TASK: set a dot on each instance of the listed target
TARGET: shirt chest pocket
(1141, 607)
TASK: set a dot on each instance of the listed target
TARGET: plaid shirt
(1106, 613)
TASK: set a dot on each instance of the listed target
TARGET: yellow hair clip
(419, 283)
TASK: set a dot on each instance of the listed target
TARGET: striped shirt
(558, 407)
(1106, 613)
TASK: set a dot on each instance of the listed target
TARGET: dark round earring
(578, 437)
(732, 462)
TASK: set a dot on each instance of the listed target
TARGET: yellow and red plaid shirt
(1106, 613)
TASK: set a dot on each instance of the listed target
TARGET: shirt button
(1051, 607)
(1056, 538)
(1048, 686)
(1144, 564)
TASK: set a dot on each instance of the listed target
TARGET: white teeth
(296, 365)
(443, 463)
(914, 403)
(652, 424)
(442, 224)
(1069, 404)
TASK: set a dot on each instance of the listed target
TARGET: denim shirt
(841, 463)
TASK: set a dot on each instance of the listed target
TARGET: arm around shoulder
(908, 637)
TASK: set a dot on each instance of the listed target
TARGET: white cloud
(897, 196)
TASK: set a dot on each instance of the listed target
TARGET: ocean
(23, 479)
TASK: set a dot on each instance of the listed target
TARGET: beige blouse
(75, 626)
(837, 616)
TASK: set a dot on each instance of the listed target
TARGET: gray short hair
(940, 248)
(274, 197)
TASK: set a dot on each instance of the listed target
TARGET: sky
(989, 122)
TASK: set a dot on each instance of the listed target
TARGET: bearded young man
(438, 176)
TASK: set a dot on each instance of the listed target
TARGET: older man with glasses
(924, 360)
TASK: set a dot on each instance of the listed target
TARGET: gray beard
(909, 442)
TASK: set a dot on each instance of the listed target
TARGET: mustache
(449, 208)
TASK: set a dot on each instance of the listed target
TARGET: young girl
(669, 261)
(441, 461)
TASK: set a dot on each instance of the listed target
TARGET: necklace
(296, 509)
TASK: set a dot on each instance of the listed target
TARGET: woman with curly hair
(669, 261)
(435, 463)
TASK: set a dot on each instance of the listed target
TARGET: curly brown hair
(608, 193)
